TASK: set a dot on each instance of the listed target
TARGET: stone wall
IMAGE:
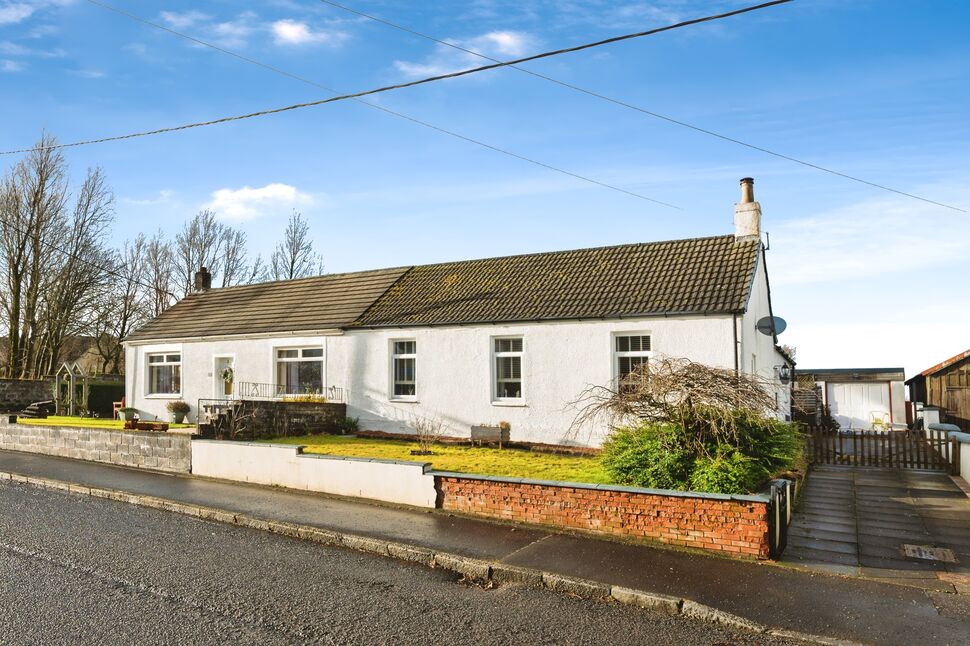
(159, 451)
(16, 394)
(262, 419)
(735, 525)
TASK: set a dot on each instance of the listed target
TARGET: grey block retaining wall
(17, 394)
(159, 451)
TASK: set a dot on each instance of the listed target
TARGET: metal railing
(277, 392)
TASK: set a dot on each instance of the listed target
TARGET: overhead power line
(398, 86)
(637, 108)
(375, 106)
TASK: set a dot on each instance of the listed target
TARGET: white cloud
(15, 12)
(870, 238)
(292, 32)
(11, 66)
(90, 74)
(501, 45)
(184, 19)
(247, 203)
(163, 196)
(8, 48)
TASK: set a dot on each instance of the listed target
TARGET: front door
(223, 377)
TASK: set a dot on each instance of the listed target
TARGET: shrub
(178, 406)
(348, 425)
(650, 455)
(664, 456)
(730, 471)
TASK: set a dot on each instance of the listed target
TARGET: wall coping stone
(674, 493)
(58, 427)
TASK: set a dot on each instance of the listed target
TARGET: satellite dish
(769, 325)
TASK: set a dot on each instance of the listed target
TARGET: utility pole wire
(376, 106)
(399, 86)
(637, 108)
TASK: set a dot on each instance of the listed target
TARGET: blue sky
(877, 89)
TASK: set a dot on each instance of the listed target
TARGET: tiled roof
(699, 275)
(322, 302)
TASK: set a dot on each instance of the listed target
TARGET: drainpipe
(737, 349)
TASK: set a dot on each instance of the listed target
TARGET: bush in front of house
(662, 455)
(347, 425)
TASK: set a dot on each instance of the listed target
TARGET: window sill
(164, 396)
(511, 403)
(401, 400)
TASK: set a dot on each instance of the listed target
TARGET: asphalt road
(79, 570)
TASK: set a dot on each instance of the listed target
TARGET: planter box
(482, 434)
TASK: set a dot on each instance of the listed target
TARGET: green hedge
(662, 456)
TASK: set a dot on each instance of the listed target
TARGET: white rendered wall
(757, 351)
(454, 371)
(284, 465)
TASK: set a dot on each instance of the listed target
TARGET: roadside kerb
(476, 570)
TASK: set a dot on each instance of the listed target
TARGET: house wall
(454, 370)
(756, 353)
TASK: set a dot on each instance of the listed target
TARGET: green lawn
(85, 422)
(514, 463)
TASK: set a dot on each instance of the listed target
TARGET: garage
(863, 398)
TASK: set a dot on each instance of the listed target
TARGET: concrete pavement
(856, 522)
(848, 609)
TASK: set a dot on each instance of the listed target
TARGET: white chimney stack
(747, 213)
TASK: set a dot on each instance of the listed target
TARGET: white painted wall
(757, 351)
(284, 465)
(455, 368)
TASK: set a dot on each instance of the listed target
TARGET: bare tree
(294, 256)
(124, 304)
(77, 272)
(198, 244)
(703, 400)
(159, 269)
(231, 263)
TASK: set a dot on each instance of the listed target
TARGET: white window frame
(495, 356)
(164, 363)
(618, 354)
(299, 358)
(392, 380)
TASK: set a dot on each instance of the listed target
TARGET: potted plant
(179, 409)
(126, 413)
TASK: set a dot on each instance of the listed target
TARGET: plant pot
(124, 417)
(178, 418)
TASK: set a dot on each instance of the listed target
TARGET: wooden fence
(928, 450)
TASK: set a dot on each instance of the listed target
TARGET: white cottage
(472, 342)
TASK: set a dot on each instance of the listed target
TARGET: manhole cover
(927, 553)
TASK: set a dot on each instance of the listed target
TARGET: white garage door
(856, 405)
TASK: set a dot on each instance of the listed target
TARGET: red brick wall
(737, 527)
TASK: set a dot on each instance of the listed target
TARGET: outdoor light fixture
(784, 373)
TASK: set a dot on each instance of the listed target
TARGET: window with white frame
(299, 370)
(507, 353)
(630, 351)
(403, 363)
(165, 373)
